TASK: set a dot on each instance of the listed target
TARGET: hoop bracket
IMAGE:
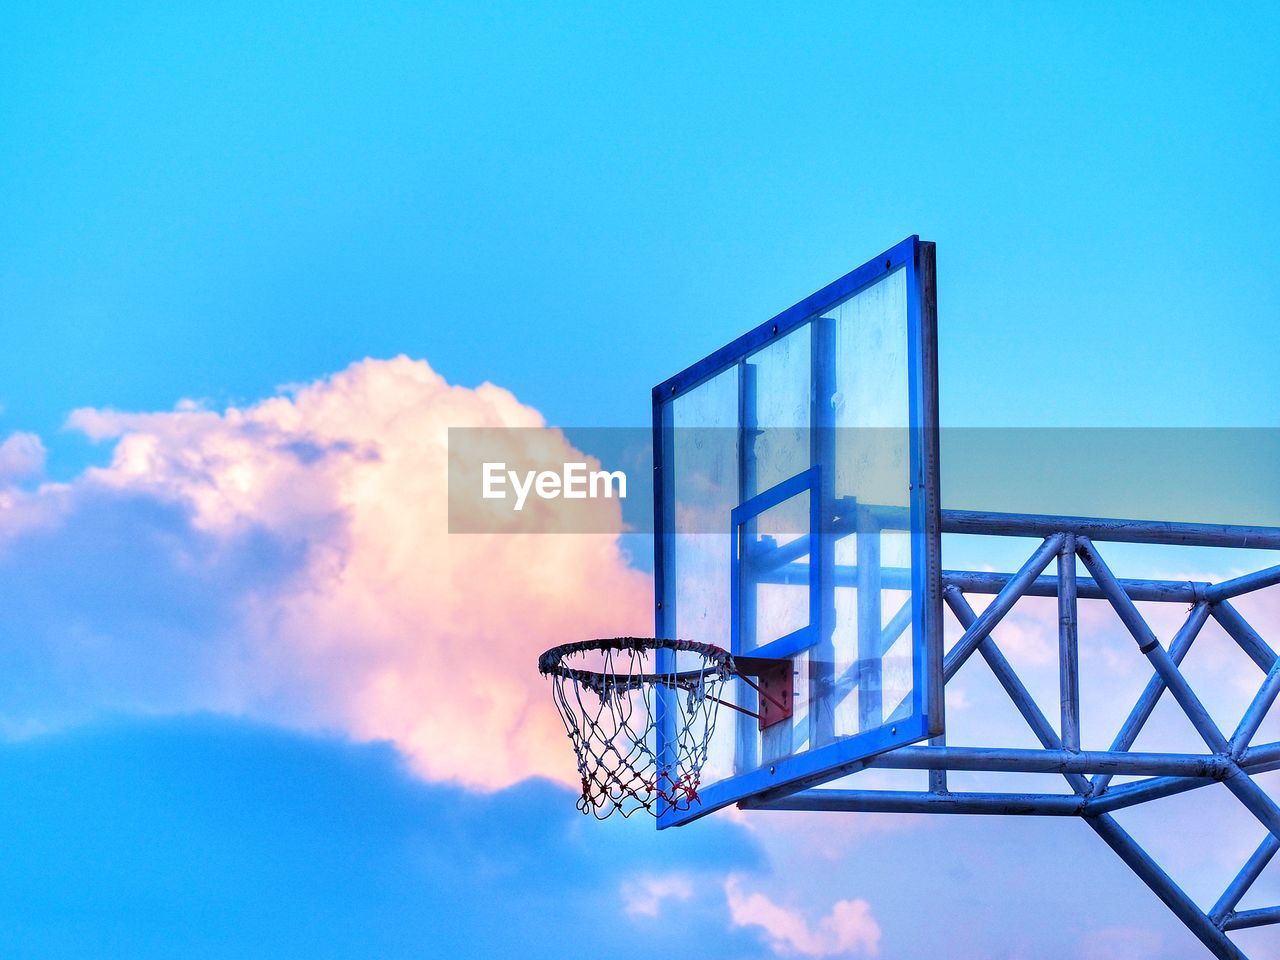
(775, 683)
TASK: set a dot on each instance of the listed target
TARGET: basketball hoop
(607, 693)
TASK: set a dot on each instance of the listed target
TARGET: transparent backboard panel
(792, 528)
(773, 607)
(872, 485)
(704, 439)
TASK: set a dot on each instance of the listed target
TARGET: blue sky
(572, 202)
(204, 838)
(212, 205)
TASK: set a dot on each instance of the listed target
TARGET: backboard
(797, 523)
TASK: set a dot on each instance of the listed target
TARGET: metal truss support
(1088, 791)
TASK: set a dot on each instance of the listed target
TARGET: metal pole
(1252, 918)
(1256, 712)
(1111, 531)
(779, 565)
(1164, 888)
(1149, 645)
(1159, 591)
(747, 739)
(1068, 646)
(823, 454)
(1013, 686)
(1141, 711)
(870, 658)
(1261, 759)
(903, 801)
(1246, 584)
(1016, 760)
(1245, 878)
(1001, 605)
(1255, 799)
(1132, 794)
(894, 628)
(1243, 634)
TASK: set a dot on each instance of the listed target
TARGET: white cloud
(301, 572)
(22, 455)
(848, 929)
(644, 896)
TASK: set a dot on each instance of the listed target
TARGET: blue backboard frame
(832, 760)
(803, 637)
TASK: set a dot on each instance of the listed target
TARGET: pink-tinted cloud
(644, 896)
(847, 930)
(383, 626)
(22, 455)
